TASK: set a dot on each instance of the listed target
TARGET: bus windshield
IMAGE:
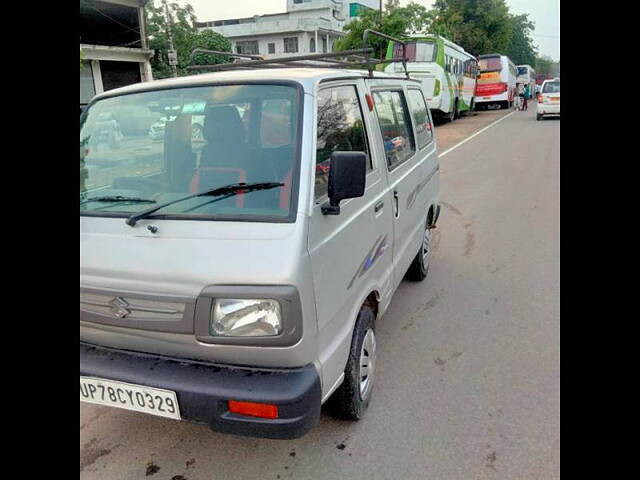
(523, 71)
(490, 64)
(421, 51)
(144, 149)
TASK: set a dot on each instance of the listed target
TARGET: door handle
(396, 203)
(378, 206)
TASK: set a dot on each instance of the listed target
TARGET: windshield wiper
(228, 190)
(118, 198)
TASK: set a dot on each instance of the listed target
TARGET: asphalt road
(469, 363)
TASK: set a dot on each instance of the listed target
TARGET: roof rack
(359, 58)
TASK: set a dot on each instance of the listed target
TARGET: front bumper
(203, 390)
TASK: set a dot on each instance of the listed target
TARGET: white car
(549, 99)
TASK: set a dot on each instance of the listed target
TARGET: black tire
(538, 116)
(347, 402)
(419, 268)
(451, 116)
(456, 110)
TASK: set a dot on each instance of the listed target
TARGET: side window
(424, 131)
(340, 128)
(395, 126)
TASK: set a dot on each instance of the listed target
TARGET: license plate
(154, 401)
(486, 98)
(554, 99)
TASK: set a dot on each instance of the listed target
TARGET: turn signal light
(251, 409)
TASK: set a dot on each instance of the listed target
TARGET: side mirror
(347, 174)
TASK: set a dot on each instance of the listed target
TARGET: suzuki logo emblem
(119, 307)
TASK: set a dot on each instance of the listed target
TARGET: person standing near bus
(525, 95)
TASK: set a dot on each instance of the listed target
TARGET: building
(308, 26)
(113, 45)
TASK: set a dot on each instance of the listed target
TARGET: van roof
(308, 77)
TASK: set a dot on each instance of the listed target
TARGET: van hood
(184, 256)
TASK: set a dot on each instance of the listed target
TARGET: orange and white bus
(497, 81)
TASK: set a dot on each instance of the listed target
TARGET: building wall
(110, 61)
(304, 42)
(315, 20)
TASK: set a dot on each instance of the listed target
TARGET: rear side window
(395, 126)
(551, 87)
(340, 128)
(424, 132)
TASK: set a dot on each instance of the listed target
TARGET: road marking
(475, 134)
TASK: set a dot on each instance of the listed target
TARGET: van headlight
(237, 317)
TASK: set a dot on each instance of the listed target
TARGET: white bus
(447, 72)
(527, 76)
(497, 81)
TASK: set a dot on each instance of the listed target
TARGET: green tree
(185, 38)
(479, 26)
(544, 64)
(521, 48)
(397, 21)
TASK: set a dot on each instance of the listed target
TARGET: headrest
(223, 124)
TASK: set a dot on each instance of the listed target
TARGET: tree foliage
(185, 38)
(521, 48)
(397, 21)
(479, 26)
(545, 64)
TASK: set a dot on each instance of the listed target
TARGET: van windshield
(149, 148)
(490, 64)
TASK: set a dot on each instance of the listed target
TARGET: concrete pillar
(97, 76)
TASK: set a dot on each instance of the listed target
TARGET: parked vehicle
(497, 81)
(541, 77)
(157, 129)
(549, 99)
(448, 73)
(238, 284)
(526, 78)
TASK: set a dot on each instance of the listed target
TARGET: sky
(545, 14)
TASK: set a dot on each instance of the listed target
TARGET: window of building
(340, 128)
(291, 45)
(312, 45)
(249, 47)
(271, 47)
(395, 126)
(119, 74)
(424, 129)
(324, 44)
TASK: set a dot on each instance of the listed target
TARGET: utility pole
(380, 14)
(172, 54)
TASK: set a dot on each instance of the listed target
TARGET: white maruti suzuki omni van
(235, 278)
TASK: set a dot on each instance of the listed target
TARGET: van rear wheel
(420, 266)
(351, 400)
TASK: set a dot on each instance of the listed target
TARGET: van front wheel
(351, 400)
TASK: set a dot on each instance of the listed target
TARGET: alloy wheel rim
(426, 247)
(367, 363)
